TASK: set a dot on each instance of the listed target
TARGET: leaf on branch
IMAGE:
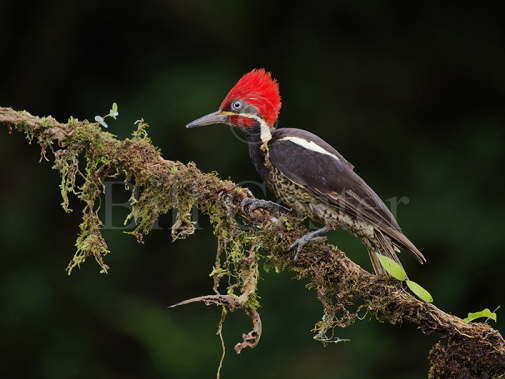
(484, 313)
(114, 111)
(392, 268)
(419, 291)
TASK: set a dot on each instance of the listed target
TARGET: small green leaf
(101, 121)
(392, 268)
(419, 291)
(113, 112)
(484, 313)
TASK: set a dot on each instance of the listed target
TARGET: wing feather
(333, 180)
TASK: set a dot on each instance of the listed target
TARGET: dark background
(413, 95)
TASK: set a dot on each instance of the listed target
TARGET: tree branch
(465, 350)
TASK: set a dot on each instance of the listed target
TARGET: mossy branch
(86, 156)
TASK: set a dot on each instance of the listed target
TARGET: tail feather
(399, 238)
(377, 267)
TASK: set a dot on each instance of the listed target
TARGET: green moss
(158, 189)
(85, 156)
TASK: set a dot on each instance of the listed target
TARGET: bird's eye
(236, 105)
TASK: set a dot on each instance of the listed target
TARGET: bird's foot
(309, 237)
(253, 204)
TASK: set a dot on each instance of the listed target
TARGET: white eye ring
(236, 105)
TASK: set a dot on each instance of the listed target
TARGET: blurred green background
(412, 94)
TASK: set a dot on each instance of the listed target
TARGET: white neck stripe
(310, 145)
(265, 135)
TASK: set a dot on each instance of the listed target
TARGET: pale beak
(210, 119)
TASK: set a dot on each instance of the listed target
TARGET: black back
(331, 180)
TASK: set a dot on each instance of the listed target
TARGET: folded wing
(313, 164)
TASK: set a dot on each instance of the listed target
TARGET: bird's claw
(253, 204)
(309, 237)
(301, 242)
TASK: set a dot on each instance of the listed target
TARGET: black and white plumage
(306, 173)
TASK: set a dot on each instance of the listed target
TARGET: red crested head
(254, 100)
(257, 88)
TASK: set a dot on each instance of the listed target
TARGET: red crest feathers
(259, 89)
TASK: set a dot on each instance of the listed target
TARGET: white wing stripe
(311, 145)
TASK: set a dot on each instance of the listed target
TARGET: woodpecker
(307, 174)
